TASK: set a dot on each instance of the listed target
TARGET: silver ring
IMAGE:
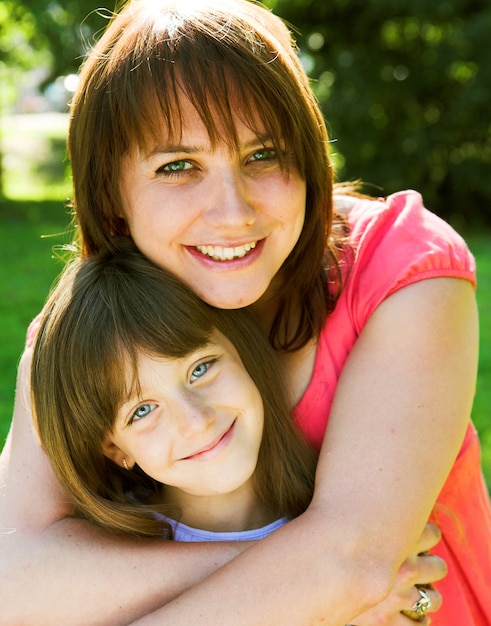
(418, 611)
(423, 604)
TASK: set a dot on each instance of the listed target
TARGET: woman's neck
(299, 365)
(236, 511)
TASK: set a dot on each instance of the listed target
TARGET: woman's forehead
(190, 130)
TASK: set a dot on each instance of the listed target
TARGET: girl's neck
(236, 511)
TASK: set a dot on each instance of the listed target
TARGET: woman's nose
(229, 204)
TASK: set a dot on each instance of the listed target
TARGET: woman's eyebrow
(256, 140)
(172, 149)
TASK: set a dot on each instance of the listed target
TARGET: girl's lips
(213, 447)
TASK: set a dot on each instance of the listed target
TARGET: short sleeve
(32, 331)
(397, 242)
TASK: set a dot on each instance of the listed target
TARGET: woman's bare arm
(397, 423)
(56, 571)
(408, 385)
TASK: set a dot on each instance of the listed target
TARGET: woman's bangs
(219, 90)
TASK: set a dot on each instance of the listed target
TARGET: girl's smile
(222, 220)
(214, 447)
(200, 409)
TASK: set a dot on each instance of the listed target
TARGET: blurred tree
(51, 37)
(66, 29)
(406, 90)
(405, 87)
(15, 55)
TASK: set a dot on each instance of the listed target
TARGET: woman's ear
(116, 455)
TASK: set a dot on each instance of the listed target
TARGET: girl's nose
(229, 205)
(191, 418)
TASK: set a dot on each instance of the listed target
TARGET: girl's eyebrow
(123, 410)
(129, 399)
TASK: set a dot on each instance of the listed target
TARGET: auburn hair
(228, 58)
(102, 314)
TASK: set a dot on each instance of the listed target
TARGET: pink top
(395, 243)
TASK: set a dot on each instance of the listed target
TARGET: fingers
(397, 608)
(436, 599)
(430, 594)
(430, 537)
(422, 570)
(426, 621)
(430, 568)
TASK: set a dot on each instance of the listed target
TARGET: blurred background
(405, 88)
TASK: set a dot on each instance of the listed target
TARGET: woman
(195, 132)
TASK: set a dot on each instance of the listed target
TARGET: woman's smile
(227, 253)
(223, 220)
(228, 258)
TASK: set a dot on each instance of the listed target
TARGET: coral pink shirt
(395, 243)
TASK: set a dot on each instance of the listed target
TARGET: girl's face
(223, 221)
(196, 423)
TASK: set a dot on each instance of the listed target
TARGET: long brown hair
(218, 53)
(101, 315)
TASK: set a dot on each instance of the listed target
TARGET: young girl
(179, 427)
(195, 133)
(180, 409)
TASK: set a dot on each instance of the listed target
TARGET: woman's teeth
(219, 253)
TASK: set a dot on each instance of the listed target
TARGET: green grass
(33, 220)
(33, 223)
(35, 160)
(481, 247)
(27, 267)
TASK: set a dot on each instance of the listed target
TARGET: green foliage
(48, 38)
(17, 29)
(35, 150)
(405, 88)
(63, 28)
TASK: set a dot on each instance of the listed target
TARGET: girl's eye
(174, 168)
(200, 370)
(142, 411)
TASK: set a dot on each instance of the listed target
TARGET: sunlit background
(405, 88)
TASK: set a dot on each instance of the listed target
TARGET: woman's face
(223, 221)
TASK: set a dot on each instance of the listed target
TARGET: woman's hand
(420, 568)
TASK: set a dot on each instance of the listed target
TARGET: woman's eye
(174, 168)
(200, 370)
(264, 154)
(142, 411)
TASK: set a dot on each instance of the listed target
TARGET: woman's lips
(227, 253)
(227, 256)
